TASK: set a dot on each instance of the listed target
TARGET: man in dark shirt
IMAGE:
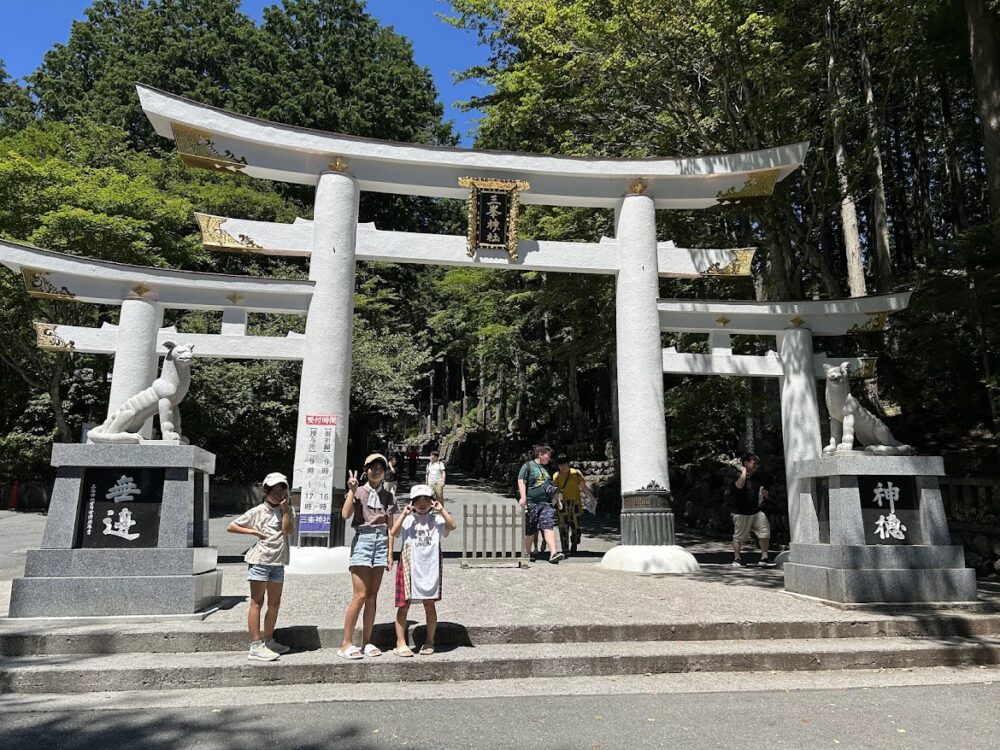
(745, 497)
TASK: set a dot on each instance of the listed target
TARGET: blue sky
(29, 29)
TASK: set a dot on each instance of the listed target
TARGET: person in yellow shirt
(572, 486)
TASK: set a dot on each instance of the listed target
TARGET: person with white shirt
(435, 476)
(421, 526)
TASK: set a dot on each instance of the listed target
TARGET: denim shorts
(538, 516)
(370, 547)
(270, 573)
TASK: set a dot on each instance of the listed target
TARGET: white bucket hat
(420, 490)
(276, 477)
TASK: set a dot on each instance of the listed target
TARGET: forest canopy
(900, 190)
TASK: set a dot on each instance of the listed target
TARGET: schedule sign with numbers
(317, 484)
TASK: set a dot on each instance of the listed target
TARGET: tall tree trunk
(55, 397)
(953, 165)
(446, 388)
(982, 342)
(520, 384)
(483, 388)
(883, 251)
(925, 220)
(848, 209)
(984, 45)
(430, 404)
(783, 282)
(465, 395)
(502, 399)
(575, 410)
(901, 210)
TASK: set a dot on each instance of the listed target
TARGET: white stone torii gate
(341, 166)
(793, 325)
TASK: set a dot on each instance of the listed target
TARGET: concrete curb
(205, 638)
(40, 675)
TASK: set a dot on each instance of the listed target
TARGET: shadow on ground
(239, 727)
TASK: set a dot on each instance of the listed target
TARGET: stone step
(74, 673)
(18, 639)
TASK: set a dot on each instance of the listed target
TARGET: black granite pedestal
(126, 534)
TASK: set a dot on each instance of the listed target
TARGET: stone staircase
(99, 658)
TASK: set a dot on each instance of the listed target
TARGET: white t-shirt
(435, 472)
(422, 534)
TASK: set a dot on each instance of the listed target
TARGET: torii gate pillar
(326, 366)
(641, 425)
(135, 353)
(799, 421)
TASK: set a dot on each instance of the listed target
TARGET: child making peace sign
(372, 507)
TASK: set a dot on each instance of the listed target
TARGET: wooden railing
(493, 535)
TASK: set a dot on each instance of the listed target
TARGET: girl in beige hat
(271, 524)
(371, 507)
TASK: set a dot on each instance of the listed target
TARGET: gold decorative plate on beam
(214, 237)
(48, 339)
(197, 149)
(756, 185)
(37, 284)
(875, 321)
(493, 208)
(738, 266)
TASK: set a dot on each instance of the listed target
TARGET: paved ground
(573, 592)
(849, 708)
(883, 717)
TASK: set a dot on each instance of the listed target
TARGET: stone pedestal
(647, 518)
(872, 529)
(126, 534)
(648, 540)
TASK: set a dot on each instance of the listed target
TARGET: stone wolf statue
(850, 420)
(163, 396)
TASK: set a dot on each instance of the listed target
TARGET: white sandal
(372, 650)
(352, 652)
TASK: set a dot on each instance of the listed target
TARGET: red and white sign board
(321, 420)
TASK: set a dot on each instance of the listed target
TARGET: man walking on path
(745, 497)
(537, 493)
(435, 476)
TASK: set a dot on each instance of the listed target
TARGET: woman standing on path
(571, 484)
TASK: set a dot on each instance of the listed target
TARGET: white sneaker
(260, 652)
(278, 648)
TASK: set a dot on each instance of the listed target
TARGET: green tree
(192, 47)
(16, 109)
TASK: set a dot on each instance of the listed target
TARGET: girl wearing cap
(372, 507)
(422, 525)
(271, 523)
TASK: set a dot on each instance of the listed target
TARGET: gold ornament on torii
(493, 225)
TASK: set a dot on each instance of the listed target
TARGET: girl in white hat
(271, 523)
(421, 526)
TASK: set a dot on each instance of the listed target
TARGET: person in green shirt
(534, 486)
